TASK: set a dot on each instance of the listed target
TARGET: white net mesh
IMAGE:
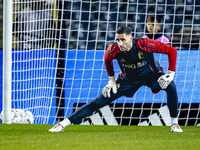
(34, 59)
(52, 81)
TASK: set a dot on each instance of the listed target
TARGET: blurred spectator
(153, 27)
(34, 27)
(153, 24)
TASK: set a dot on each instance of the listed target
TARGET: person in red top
(136, 61)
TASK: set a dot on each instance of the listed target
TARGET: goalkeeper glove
(111, 85)
(166, 79)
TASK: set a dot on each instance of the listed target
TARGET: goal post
(7, 59)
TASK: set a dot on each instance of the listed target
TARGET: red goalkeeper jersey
(139, 61)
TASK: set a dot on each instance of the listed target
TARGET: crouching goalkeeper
(136, 61)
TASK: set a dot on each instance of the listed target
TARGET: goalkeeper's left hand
(166, 79)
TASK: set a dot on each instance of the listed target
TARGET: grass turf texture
(75, 137)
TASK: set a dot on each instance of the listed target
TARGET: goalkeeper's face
(124, 42)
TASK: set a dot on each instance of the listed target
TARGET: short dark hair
(153, 18)
(124, 29)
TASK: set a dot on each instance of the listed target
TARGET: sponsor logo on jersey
(134, 66)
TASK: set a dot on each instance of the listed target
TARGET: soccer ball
(12, 115)
(20, 116)
(29, 117)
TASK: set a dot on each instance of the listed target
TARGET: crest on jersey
(140, 55)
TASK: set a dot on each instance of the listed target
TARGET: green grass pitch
(77, 137)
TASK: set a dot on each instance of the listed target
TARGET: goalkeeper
(135, 58)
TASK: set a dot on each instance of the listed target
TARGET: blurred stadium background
(180, 18)
(101, 18)
(91, 20)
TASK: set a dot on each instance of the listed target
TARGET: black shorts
(129, 89)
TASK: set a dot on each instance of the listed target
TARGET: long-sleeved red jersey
(139, 61)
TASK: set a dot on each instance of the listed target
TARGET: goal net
(58, 66)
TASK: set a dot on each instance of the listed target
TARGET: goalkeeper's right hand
(166, 79)
(111, 85)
